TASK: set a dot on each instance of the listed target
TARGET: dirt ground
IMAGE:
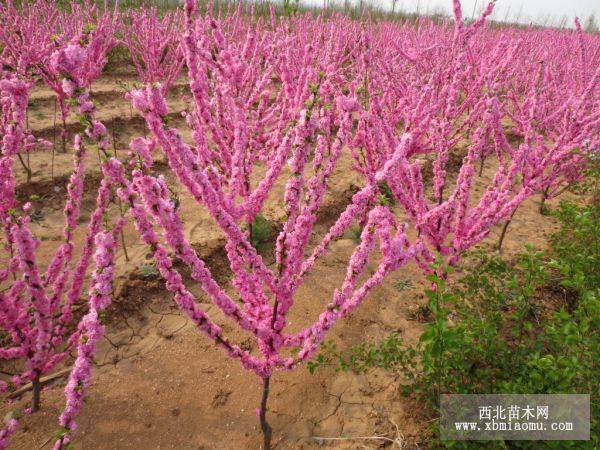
(160, 384)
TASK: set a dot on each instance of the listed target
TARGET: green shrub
(261, 230)
(386, 196)
(149, 271)
(355, 234)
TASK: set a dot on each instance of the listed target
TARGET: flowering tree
(429, 85)
(26, 40)
(79, 21)
(256, 283)
(154, 45)
(558, 117)
(266, 295)
(37, 310)
(26, 34)
(453, 221)
(449, 222)
(32, 300)
(232, 85)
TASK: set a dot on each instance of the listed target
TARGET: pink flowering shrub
(26, 34)
(467, 111)
(154, 44)
(32, 313)
(266, 296)
(37, 309)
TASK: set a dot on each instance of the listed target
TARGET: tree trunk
(503, 232)
(53, 141)
(543, 202)
(63, 134)
(25, 167)
(264, 425)
(37, 389)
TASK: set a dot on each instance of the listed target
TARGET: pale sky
(525, 11)
(549, 12)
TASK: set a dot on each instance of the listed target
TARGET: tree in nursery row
(266, 295)
(245, 101)
(32, 33)
(26, 40)
(446, 220)
(432, 88)
(37, 309)
(154, 44)
(559, 123)
(451, 219)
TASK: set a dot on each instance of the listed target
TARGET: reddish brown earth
(161, 384)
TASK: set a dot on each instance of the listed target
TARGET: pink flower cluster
(154, 44)
(91, 329)
(37, 310)
(33, 34)
(454, 103)
(28, 307)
